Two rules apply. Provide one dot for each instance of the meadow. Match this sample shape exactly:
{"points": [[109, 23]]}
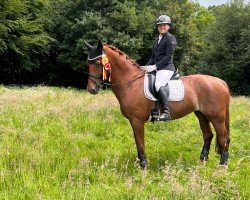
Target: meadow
{"points": [[58, 143]]}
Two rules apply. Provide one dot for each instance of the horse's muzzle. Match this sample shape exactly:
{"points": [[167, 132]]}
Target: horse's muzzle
{"points": [[93, 90]]}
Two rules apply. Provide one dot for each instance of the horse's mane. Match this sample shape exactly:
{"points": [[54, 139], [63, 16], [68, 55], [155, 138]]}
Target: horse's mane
{"points": [[123, 54]]}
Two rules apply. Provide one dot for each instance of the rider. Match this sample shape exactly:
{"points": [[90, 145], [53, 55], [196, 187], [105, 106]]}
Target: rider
{"points": [[162, 61]]}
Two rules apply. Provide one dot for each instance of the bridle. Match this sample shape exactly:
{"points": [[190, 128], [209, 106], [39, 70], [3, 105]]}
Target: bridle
{"points": [[101, 80], [95, 78]]}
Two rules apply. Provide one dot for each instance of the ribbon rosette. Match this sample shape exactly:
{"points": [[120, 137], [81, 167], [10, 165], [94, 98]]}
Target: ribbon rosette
{"points": [[105, 62]]}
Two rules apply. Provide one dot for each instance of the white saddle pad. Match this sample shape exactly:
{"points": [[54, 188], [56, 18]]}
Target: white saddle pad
{"points": [[176, 90]]}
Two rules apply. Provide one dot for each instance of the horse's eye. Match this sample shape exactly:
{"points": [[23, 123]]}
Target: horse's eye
{"points": [[98, 62]]}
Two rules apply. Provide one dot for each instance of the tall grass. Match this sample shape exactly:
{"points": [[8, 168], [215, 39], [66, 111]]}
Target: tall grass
{"points": [[60, 143]]}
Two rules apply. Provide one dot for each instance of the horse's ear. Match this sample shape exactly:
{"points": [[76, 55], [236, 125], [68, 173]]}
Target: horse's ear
{"points": [[88, 45], [100, 46]]}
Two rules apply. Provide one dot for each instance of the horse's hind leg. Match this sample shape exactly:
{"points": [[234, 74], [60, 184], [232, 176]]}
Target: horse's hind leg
{"points": [[223, 140], [207, 135]]}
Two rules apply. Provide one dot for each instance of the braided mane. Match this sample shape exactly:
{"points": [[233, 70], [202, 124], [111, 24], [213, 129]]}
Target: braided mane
{"points": [[123, 54]]}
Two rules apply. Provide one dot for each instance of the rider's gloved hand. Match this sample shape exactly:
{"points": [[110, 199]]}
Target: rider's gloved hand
{"points": [[149, 68]]}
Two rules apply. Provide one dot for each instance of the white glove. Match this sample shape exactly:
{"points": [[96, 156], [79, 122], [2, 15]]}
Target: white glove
{"points": [[149, 68]]}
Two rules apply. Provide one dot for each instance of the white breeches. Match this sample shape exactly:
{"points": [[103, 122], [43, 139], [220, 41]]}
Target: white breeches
{"points": [[162, 78]]}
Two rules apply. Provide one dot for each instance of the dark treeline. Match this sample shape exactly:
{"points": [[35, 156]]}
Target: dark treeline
{"points": [[42, 41]]}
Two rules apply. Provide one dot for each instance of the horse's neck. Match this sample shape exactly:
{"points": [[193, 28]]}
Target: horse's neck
{"points": [[122, 69]]}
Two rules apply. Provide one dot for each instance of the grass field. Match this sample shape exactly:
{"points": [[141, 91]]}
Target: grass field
{"points": [[60, 143]]}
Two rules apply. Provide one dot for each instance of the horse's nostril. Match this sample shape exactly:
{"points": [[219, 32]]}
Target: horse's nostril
{"points": [[92, 90]]}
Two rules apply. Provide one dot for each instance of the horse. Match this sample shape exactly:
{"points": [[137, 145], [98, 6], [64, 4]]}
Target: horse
{"points": [[207, 96]]}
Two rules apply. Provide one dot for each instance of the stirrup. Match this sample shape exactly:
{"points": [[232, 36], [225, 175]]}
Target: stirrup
{"points": [[154, 114], [164, 117]]}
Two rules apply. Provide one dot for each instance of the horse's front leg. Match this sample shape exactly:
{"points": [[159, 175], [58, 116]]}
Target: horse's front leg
{"points": [[138, 128]]}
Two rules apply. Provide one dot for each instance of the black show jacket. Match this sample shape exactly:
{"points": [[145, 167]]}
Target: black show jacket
{"points": [[162, 54]]}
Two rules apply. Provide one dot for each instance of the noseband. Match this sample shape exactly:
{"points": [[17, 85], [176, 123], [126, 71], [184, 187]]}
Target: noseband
{"points": [[97, 79]]}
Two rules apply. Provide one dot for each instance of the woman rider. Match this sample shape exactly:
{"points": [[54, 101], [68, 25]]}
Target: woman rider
{"points": [[161, 60]]}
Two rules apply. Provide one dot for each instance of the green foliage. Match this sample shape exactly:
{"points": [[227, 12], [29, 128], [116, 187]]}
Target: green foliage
{"points": [[42, 41], [21, 29], [23, 40], [228, 46], [128, 25], [66, 144]]}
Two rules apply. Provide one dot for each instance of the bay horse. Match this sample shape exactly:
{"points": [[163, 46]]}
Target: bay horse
{"points": [[208, 97]]}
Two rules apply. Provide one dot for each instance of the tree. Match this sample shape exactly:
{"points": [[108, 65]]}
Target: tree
{"points": [[22, 37], [228, 43], [42, 41]]}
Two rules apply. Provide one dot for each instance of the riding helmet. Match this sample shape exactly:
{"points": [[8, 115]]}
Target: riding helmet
{"points": [[163, 19]]}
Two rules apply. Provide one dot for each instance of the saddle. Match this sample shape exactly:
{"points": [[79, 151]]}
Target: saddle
{"points": [[175, 86]]}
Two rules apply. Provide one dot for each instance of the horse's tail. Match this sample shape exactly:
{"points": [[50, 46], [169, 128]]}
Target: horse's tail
{"points": [[227, 122]]}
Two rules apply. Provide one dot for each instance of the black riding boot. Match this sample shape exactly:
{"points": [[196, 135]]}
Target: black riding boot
{"points": [[163, 96]]}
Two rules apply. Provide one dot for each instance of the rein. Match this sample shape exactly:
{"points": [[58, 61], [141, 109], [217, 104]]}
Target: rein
{"points": [[93, 77]]}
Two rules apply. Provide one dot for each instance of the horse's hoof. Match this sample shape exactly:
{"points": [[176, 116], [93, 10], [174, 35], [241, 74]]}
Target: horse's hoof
{"points": [[225, 166], [224, 158], [203, 162], [143, 165], [143, 161], [144, 168]]}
